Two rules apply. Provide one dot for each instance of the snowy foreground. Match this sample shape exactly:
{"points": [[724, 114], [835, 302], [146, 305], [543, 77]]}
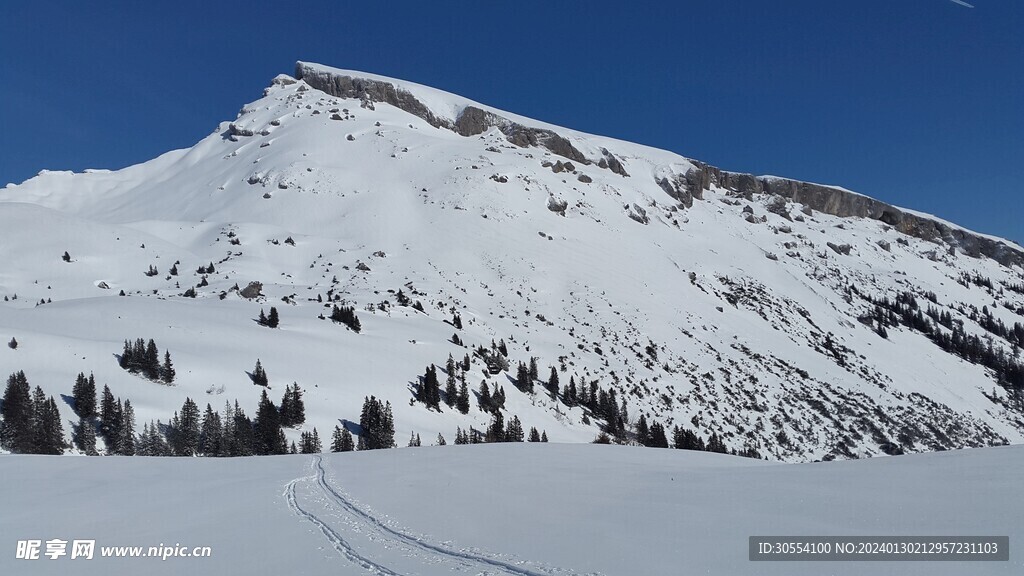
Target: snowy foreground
{"points": [[521, 509]]}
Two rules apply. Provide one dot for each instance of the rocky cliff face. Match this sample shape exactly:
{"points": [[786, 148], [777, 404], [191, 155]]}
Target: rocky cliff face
{"points": [[842, 203], [471, 121]]}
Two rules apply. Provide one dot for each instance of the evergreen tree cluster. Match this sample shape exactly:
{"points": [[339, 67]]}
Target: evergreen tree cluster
{"points": [[347, 316], [600, 404], [268, 436], [309, 443], [271, 321], [500, 431], [84, 395], [117, 424], [456, 391], [652, 436], [143, 358], [489, 402], [428, 390], [293, 410], [259, 375], [496, 359], [1007, 369], [414, 440], [377, 425], [342, 440], [184, 430], [31, 422]]}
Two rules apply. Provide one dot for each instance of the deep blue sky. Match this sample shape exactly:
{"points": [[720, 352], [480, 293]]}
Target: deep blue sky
{"points": [[916, 102]]}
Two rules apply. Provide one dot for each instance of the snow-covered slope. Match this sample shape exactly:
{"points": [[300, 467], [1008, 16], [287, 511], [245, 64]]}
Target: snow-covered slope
{"points": [[705, 299], [541, 510]]}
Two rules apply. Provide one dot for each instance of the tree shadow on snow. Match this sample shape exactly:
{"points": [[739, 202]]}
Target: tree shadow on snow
{"points": [[352, 427]]}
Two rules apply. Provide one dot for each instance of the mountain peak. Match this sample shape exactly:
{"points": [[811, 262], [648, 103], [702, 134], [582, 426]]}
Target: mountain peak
{"points": [[774, 313]]}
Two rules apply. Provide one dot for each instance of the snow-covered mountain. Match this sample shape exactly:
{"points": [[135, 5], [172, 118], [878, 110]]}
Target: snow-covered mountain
{"points": [[800, 320]]}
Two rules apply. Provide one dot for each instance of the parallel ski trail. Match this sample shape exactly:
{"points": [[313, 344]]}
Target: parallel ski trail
{"points": [[339, 543], [459, 556]]}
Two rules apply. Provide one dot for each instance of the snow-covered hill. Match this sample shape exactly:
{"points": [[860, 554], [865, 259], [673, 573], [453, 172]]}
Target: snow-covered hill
{"points": [[775, 313], [542, 510]]}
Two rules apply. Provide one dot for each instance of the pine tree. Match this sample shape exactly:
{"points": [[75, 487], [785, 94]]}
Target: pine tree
{"points": [[262, 320], [414, 440], [210, 433], [152, 361], [13, 344], [273, 321], [189, 429], [534, 435], [643, 433], [523, 381], [86, 438], [51, 432], [465, 363], [108, 418], [430, 389], [514, 431], [293, 410], [544, 436], [125, 444], [125, 360], [167, 372], [84, 394], [460, 437], [498, 398], [496, 430], [570, 392], [243, 436], [534, 372], [317, 446], [451, 392], [259, 376], [66, 257], [267, 427], [484, 399], [440, 440], [16, 432], [462, 400], [286, 409], [552, 384]]}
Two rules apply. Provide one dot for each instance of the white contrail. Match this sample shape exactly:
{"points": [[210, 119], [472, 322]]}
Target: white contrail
{"points": [[962, 3]]}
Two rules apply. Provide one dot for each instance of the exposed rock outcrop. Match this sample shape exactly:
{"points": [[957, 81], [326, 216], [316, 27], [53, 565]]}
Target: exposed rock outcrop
{"points": [[843, 203], [366, 89], [471, 121]]}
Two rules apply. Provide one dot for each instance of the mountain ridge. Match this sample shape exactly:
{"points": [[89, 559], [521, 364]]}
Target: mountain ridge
{"points": [[781, 316], [472, 120]]}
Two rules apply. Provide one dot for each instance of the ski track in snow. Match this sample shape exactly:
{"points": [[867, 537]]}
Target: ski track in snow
{"points": [[357, 518], [339, 543]]}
